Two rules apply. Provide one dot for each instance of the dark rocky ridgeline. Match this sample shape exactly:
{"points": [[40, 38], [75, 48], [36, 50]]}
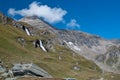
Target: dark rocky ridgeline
{"points": [[5, 20], [9, 21]]}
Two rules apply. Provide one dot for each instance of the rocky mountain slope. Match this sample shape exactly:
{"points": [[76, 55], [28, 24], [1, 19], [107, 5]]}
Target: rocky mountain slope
{"points": [[87, 45], [69, 53], [111, 58], [17, 46]]}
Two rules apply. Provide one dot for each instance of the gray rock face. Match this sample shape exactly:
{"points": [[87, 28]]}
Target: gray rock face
{"points": [[29, 68], [80, 38], [89, 46], [111, 58]]}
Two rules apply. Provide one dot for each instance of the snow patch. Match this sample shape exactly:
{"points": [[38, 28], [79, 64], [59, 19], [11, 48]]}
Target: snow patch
{"points": [[72, 46], [42, 47], [27, 31]]}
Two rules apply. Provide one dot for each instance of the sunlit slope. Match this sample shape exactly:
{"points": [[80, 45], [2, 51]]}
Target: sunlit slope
{"points": [[11, 51]]}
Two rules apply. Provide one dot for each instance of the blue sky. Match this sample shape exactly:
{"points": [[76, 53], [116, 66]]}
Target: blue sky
{"points": [[100, 17]]}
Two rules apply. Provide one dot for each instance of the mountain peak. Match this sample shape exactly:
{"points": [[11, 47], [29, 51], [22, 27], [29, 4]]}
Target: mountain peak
{"points": [[38, 23], [30, 18]]}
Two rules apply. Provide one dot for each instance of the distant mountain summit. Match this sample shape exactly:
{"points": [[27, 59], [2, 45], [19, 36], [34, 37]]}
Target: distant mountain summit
{"points": [[38, 23]]}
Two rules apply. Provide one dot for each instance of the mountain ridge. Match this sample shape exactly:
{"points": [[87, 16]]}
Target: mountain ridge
{"points": [[87, 45], [64, 47]]}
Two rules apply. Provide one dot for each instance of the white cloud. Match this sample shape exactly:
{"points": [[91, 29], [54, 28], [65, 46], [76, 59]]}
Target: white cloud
{"points": [[11, 11], [51, 15], [73, 24]]}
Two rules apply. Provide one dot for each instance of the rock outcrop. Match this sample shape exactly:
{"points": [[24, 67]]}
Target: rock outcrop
{"points": [[111, 58]]}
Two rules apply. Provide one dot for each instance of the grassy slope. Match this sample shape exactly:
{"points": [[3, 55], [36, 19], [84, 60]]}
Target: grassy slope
{"points": [[13, 52]]}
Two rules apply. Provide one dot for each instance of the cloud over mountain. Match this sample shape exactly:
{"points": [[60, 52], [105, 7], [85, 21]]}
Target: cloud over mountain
{"points": [[51, 15], [73, 24]]}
